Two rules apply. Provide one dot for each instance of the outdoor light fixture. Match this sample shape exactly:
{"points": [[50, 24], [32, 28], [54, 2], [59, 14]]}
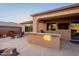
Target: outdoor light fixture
{"points": [[47, 37]]}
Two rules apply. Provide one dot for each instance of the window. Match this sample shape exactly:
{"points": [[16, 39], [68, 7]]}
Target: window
{"points": [[63, 26], [75, 26], [28, 28], [51, 26]]}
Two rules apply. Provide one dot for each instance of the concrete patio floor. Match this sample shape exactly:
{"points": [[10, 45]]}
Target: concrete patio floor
{"points": [[26, 49]]}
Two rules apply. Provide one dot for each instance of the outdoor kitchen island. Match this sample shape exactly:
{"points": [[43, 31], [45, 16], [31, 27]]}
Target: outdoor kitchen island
{"points": [[50, 40]]}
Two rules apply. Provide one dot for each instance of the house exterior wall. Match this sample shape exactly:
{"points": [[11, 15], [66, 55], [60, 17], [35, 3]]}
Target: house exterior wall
{"points": [[66, 34], [41, 26], [23, 26]]}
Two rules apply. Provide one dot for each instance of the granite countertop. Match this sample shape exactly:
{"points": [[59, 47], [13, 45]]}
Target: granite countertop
{"points": [[45, 33]]}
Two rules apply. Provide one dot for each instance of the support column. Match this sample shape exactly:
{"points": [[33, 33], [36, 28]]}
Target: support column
{"points": [[23, 27], [35, 25]]}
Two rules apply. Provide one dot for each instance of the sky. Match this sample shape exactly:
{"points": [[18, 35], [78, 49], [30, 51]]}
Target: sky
{"points": [[20, 12]]}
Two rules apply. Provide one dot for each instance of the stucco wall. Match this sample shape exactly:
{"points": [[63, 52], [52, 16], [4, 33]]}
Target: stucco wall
{"points": [[41, 26], [65, 33]]}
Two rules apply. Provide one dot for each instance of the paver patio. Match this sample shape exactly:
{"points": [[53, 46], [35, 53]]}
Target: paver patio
{"points": [[26, 49]]}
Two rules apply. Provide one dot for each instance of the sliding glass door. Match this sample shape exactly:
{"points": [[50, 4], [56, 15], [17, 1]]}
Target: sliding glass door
{"points": [[75, 31]]}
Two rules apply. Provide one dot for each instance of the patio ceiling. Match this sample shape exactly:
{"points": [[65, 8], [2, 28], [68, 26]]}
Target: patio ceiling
{"points": [[67, 16]]}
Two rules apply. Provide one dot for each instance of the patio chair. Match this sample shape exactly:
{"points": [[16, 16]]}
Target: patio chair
{"points": [[0, 35], [1, 51], [12, 34], [4, 35], [20, 34], [42, 31], [15, 53]]}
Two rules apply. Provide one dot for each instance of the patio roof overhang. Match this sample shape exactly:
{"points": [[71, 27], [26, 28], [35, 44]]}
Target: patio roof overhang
{"points": [[69, 16], [71, 11], [57, 9]]}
